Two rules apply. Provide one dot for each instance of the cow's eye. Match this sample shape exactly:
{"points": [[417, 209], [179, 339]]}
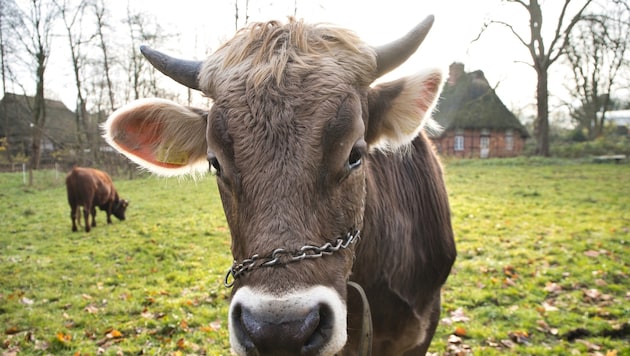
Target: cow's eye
{"points": [[355, 158], [213, 162], [356, 155]]}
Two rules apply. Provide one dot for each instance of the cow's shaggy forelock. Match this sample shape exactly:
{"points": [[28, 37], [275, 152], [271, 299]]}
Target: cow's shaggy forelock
{"points": [[262, 51]]}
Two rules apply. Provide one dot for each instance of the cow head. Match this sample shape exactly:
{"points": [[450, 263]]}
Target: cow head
{"points": [[120, 207], [289, 134]]}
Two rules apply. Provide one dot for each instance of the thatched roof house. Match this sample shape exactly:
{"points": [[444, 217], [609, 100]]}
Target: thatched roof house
{"points": [[16, 125], [475, 121]]}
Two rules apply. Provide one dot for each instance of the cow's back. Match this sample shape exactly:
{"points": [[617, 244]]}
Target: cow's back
{"points": [[86, 185]]}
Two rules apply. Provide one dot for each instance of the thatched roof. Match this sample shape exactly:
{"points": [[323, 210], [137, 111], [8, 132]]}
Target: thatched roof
{"points": [[468, 102], [16, 118]]}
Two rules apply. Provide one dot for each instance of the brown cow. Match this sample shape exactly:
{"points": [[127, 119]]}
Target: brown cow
{"points": [[89, 188], [306, 154]]}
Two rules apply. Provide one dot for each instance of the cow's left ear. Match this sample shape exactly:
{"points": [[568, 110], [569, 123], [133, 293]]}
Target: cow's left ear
{"points": [[162, 136], [398, 110]]}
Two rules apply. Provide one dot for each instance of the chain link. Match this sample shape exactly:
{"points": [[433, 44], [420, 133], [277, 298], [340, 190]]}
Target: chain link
{"points": [[281, 256]]}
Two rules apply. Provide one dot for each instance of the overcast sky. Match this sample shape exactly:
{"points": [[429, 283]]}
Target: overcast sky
{"points": [[204, 25]]}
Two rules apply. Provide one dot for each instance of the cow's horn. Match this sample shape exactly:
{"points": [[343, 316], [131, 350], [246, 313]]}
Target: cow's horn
{"points": [[393, 54], [182, 71]]}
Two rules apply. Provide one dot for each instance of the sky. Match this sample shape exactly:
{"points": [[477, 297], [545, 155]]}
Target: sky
{"points": [[204, 25]]}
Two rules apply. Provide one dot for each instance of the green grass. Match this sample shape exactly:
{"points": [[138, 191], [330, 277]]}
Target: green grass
{"points": [[543, 255], [149, 285], [535, 239]]}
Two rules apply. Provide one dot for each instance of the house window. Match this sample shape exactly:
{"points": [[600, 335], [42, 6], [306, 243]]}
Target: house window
{"points": [[484, 143], [459, 140], [509, 139]]}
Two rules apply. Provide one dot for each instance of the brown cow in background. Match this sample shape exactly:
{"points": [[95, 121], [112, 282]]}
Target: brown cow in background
{"points": [[89, 188]]}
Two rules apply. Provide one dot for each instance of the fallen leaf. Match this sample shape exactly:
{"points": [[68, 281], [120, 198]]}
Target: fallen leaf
{"points": [[456, 316], [548, 307], [592, 294], [216, 325], [41, 345], [454, 339], [507, 343], [114, 334], [29, 337], [589, 345], [591, 253], [519, 337], [13, 351], [92, 309], [11, 330], [64, 338], [553, 287], [509, 282], [510, 271], [460, 331], [146, 314]]}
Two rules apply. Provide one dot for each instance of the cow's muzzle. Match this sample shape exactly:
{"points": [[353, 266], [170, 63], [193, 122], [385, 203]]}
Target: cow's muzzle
{"points": [[311, 322], [297, 334]]}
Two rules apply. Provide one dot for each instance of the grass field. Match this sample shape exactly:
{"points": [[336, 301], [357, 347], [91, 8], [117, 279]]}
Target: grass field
{"points": [[543, 265]]}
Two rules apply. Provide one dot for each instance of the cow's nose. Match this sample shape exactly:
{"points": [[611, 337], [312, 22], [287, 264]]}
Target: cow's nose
{"points": [[285, 333]]}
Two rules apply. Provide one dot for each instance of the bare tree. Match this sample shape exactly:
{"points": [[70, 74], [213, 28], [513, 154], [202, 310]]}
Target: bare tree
{"points": [[73, 17], [543, 55], [8, 11], [235, 15], [596, 53], [236, 12], [142, 77], [34, 29], [100, 13]]}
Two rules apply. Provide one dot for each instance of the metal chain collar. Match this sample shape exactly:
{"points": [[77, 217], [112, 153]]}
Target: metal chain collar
{"points": [[281, 256]]}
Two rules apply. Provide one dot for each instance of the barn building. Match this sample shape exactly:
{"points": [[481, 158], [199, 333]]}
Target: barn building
{"points": [[475, 123], [16, 126]]}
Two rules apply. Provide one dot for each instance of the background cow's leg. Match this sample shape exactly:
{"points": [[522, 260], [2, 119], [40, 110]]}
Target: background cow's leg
{"points": [[110, 207], [74, 215], [86, 218], [93, 216]]}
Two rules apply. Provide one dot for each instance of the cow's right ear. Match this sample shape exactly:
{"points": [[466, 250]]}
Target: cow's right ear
{"points": [[162, 136]]}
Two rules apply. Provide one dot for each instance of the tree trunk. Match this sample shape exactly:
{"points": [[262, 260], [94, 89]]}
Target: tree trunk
{"points": [[39, 114], [99, 11], [541, 124]]}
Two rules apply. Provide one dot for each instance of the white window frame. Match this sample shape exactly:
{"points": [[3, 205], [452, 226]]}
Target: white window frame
{"points": [[509, 140], [458, 143]]}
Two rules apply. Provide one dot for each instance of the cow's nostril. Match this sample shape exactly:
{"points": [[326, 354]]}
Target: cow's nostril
{"points": [[322, 332], [238, 330], [283, 333]]}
